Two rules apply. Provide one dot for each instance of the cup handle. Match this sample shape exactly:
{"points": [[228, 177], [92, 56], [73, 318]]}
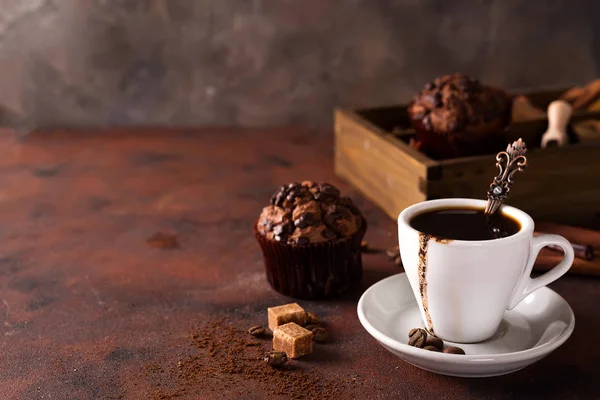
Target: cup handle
{"points": [[526, 285]]}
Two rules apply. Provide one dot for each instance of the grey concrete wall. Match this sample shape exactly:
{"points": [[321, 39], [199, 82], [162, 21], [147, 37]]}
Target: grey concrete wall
{"points": [[270, 62]]}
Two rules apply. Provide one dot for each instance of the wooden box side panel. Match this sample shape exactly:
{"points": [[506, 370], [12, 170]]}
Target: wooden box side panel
{"points": [[383, 171], [558, 184]]}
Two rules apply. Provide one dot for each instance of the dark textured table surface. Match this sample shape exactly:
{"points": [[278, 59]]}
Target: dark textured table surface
{"points": [[87, 304]]}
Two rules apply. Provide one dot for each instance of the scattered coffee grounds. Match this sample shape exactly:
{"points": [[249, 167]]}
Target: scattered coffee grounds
{"points": [[256, 331], [454, 350], [276, 358], [293, 339], [165, 241], [283, 314], [312, 319], [319, 334], [419, 337], [226, 359], [393, 254]]}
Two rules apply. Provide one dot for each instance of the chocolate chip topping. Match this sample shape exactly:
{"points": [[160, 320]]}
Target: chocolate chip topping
{"points": [[460, 103], [308, 212], [305, 220]]}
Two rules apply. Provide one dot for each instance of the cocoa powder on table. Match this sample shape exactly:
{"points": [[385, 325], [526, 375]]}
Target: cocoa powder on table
{"points": [[225, 355]]}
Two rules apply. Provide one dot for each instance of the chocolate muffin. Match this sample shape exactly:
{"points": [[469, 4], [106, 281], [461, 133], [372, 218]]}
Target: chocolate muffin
{"points": [[456, 116], [310, 237]]}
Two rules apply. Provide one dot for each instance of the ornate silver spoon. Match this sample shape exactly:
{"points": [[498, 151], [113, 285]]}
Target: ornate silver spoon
{"points": [[509, 162]]}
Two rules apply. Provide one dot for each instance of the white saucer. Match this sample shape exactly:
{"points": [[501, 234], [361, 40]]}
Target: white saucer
{"points": [[539, 324]]}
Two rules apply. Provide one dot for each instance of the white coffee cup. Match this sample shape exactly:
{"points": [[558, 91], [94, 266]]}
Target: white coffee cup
{"points": [[470, 284]]}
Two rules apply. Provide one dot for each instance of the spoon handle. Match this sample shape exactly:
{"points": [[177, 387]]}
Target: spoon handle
{"points": [[509, 162]]}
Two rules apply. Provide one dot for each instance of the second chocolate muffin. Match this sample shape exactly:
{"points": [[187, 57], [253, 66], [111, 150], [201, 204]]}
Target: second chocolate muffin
{"points": [[456, 115], [310, 237]]}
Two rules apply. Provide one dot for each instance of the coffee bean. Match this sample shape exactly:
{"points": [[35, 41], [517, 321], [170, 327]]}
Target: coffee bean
{"points": [[276, 358], [320, 334], [417, 337], [431, 348], [453, 350], [312, 319], [435, 342], [256, 330]]}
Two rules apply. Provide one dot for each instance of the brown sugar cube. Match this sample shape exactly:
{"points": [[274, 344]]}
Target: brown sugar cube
{"points": [[292, 339], [286, 313]]}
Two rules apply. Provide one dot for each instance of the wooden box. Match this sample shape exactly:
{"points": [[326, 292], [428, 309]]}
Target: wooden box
{"points": [[559, 184]]}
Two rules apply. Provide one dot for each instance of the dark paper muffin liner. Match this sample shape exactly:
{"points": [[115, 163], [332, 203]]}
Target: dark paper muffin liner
{"points": [[441, 146], [316, 270]]}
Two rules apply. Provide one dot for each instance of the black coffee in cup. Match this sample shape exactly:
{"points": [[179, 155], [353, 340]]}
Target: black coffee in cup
{"points": [[463, 223]]}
